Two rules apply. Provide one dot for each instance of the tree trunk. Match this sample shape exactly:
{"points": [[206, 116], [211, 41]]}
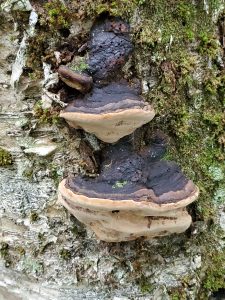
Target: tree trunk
{"points": [[179, 59]]}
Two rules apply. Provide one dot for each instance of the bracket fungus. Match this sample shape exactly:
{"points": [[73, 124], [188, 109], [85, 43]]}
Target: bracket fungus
{"points": [[109, 112], [112, 109], [78, 81], [135, 195], [109, 47]]}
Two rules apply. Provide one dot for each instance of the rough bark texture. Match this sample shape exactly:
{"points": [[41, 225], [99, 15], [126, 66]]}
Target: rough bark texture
{"points": [[45, 252]]}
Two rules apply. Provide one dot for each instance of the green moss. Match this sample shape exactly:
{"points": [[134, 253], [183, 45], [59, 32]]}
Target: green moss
{"points": [[214, 83], [215, 274], [58, 15], [5, 158], [36, 51], [54, 19], [124, 8], [20, 250], [28, 173], [4, 253], [177, 294], [65, 254], [41, 237], [4, 250], [209, 45], [75, 230], [34, 217], [55, 173], [144, 285], [193, 119], [46, 116]]}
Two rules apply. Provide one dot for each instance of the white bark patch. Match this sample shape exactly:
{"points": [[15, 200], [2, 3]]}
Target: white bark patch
{"points": [[17, 68]]}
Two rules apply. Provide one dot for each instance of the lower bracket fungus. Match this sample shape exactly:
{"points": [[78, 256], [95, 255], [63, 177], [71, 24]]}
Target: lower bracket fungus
{"points": [[135, 195], [110, 112]]}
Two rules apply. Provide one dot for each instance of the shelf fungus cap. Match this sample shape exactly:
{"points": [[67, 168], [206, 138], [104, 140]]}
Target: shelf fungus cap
{"points": [[153, 205], [80, 82], [110, 112], [109, 48]]}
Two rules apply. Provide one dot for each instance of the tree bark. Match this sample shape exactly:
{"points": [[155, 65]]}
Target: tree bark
{"points": [[179, 59]]}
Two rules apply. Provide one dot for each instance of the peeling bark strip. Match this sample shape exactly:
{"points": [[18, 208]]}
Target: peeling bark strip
{"points": [[45, 253]]}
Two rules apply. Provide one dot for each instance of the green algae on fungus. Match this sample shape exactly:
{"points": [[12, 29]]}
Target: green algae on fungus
{"points": [[79, 64], [119, 184], [5, 158]]}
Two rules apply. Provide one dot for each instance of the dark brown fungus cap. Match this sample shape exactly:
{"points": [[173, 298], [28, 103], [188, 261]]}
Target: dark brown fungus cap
{"points": [[80, 82], [126, 175], [131, 189], [110, 112], [109, 48]]}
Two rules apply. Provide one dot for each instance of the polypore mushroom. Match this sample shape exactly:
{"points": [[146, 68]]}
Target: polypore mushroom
{"points": [[109, 48], [78, 81], [110, 112], [135, 195]]}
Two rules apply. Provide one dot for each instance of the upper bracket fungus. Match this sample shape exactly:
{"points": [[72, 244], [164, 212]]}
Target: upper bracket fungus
{"points": [[110, 112], [135, 195]]}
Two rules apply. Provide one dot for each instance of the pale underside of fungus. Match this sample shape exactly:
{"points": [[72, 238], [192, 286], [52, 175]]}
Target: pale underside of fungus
{"points": [[135, 195], [125, 220]]}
